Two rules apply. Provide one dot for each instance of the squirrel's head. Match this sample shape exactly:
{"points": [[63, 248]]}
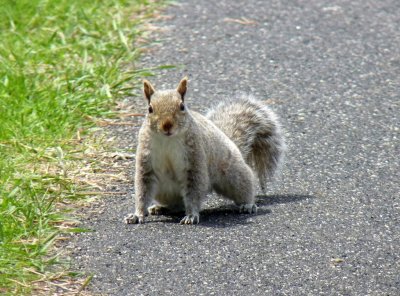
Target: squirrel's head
{"points": [[166, 109]]}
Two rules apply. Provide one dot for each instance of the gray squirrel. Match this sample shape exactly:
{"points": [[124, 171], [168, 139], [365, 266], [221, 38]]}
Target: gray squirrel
{"points": [[182, 155]]}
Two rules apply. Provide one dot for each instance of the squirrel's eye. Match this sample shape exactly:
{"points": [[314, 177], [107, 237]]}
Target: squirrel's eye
{"points": [[182, 106], [150, 109]]}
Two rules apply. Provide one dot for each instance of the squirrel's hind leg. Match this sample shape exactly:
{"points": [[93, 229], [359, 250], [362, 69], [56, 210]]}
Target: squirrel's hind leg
{"points": [[157, 210], [239, 185], [248, 208]]}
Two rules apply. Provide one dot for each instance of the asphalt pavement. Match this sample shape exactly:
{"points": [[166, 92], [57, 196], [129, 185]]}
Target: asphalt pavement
{"points": [[330, 223]]}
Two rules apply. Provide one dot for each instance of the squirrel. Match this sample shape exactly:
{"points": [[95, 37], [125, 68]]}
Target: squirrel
{"points": [[182, 155]]}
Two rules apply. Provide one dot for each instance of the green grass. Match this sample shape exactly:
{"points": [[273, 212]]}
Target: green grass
{"points": [[61, 62]]}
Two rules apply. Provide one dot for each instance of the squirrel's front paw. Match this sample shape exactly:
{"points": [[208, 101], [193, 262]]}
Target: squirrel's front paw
{"points": [[190, 219], [134, 219], [248, 208]]}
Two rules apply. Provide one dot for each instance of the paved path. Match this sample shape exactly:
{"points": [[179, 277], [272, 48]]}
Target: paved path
{"points": [[330, 224]]}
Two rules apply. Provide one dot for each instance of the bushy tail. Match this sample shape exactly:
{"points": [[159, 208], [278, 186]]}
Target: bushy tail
{"points": [[255, 129]]}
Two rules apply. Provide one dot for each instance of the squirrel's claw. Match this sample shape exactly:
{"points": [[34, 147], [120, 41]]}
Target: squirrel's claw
{"points": [[133, 219], [190, 219]]}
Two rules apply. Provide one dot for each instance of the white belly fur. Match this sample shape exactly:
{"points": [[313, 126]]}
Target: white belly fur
{"points": [[168, 159]]}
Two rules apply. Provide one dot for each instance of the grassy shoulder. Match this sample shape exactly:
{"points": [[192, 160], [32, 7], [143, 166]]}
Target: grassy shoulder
{"points": [[61, 66]]}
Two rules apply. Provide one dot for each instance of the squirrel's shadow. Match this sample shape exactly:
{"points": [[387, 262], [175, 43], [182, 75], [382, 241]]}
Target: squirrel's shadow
{"points": [[228, 215], [269, 200]]}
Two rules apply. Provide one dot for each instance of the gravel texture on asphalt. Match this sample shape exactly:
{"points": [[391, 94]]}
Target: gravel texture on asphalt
{"points": [[329, 225]]}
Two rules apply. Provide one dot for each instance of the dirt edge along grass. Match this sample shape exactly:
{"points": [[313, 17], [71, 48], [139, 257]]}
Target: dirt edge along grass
{"points": [[62, 65]]}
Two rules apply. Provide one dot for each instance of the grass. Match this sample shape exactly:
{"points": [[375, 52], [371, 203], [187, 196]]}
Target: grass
{"points": [[61, 65]]}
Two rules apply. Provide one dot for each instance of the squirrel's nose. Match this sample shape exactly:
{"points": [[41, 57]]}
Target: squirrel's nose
{"points": [[167, 126]]}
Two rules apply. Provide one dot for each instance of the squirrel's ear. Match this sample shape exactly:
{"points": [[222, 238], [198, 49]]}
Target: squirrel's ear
{"points": [[148, 90], [182, 87]]}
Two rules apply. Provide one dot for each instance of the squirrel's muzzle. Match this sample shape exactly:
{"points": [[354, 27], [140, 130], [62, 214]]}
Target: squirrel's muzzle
{"points": [[167, 127]]}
